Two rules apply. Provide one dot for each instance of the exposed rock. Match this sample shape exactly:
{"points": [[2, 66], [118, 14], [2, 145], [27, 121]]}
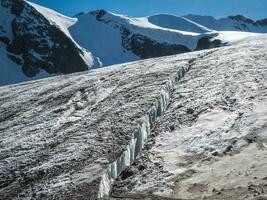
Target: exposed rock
{"points": [[34, 44], [54, 55], [208, 43], [147, 48], [241, 18], [262, 22], [39, 42]]}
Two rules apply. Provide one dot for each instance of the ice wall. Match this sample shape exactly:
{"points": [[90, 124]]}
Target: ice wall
{"points": [[139, 138]]}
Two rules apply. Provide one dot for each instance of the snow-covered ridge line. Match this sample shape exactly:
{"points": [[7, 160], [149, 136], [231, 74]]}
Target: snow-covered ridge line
{"points": [[163, 35], [139, 138], [63, 23], [97, 38]]}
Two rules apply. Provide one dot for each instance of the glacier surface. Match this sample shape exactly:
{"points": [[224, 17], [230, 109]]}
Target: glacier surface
{"points": [[149, 126]]}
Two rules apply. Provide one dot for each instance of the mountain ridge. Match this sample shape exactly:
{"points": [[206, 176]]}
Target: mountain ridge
{"points": [[42, 42]]}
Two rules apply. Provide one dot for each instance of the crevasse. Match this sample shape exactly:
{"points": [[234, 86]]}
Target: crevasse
{"points": [[139, 138]]}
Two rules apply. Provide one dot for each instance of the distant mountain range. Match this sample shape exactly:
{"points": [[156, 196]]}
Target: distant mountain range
{"points": [[38, 42]]}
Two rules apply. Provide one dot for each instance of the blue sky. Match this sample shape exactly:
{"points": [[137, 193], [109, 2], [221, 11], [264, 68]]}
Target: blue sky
{"points": [[255, 9]]}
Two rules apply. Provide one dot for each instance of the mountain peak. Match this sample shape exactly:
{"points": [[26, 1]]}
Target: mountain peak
{"points": [[98, 13], [241, 18], [262, 22], [35, 39], [78, 14]]}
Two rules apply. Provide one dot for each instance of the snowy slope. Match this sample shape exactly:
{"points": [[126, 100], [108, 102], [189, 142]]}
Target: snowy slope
{"points": [[110, 28], [63, 23], [11, 73], [84, 29], [232, 37], [177, 23], [70, 136], [118, 38], [102, 40], [54, 44], [232, 23], [40, 48], [122, 38]]}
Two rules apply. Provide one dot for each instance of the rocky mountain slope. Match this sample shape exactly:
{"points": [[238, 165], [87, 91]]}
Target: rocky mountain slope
{"points": [[186, 126], [38, 42], [31, 45]]}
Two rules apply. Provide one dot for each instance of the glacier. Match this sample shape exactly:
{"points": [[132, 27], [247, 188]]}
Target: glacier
{"points": [[139, 138], [211, 141], [133, 128]]}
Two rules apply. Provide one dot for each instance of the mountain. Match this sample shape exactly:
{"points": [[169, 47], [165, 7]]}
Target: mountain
{"points": [[32, 45], [231, 23], [185, 126], [131, 38], [38, 42]]}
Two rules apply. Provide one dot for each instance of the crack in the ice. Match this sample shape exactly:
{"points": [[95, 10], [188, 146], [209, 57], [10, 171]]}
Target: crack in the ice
{"points": [[138, 140]]}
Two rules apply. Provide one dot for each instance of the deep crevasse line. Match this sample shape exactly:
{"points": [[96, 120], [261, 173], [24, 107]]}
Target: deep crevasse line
{"points": [[138, 139]]}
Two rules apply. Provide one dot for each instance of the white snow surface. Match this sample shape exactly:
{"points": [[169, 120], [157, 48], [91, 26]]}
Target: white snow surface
{"points": [[108, 44], [101, 39], [62, 21], [161, 28], [177, 23], [160, 34], [231, 37], [5, 22], [225, 24]]}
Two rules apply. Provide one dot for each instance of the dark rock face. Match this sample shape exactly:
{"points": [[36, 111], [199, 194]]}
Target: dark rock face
{"points": [[262, 22], [5, 40], [145, 47], [141, 45], [206, 43], [241, 18], [99, 14], [148, 48], [40, 44]]}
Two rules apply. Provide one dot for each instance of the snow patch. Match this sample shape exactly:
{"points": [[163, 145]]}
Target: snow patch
{"points": [[177, 23], [232, 37], [5, 22]]}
